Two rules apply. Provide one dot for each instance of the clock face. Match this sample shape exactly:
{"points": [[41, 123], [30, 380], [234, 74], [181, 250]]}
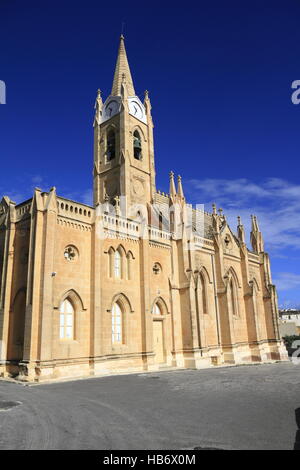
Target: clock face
{"points": [[138, 188], [136, 110], [111, 108]]}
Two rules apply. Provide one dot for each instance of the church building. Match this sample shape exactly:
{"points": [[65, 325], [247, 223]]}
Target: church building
{"points": [[140, 280]]}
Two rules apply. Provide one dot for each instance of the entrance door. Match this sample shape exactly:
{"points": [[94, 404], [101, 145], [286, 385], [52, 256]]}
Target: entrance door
{"points": [[158, 342]]}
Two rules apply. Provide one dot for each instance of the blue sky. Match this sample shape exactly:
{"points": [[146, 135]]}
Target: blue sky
{"points": [[219, 75]]}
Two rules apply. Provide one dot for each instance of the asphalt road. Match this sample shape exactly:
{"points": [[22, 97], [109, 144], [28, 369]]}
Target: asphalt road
{"points": [[246, 407]]}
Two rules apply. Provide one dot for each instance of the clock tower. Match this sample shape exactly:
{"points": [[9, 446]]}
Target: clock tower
{"points": [[123, 143]]}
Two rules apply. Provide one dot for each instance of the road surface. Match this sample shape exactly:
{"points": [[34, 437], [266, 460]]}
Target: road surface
{"points": [[245, 407]]}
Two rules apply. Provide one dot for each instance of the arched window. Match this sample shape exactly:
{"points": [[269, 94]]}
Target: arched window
{"points": [[172, 219], [137, 146], [160, 220], [232, 298], [117, 266], [129, 265], [116, 330], [66, 323], [203, 294], [156, 309], [255, 299], [111, 145], [111, 262]]}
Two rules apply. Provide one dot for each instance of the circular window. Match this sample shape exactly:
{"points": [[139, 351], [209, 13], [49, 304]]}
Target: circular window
{"points": [[156, 268], [227, 242], [71, 253]]}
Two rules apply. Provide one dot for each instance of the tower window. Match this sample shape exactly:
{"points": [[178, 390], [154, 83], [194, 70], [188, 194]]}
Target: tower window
{"points": [[111, 145], [137, 146], [160, 220]]}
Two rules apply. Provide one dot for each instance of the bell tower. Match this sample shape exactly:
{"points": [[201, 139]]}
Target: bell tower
{"points": [[123, 142]]}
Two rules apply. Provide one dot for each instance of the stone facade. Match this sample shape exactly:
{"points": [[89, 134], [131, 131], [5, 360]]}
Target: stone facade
{"points": [[136, 282]]}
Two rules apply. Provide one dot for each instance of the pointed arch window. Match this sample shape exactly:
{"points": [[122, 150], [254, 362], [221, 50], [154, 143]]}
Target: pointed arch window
{"points": [[160, 220], [256, 310], [232, 298], [255, 299], [156, 309], [203, 294], [137, 146], [111, 145], [117, 265], [129, 258], [117, 324], [66, 325], [111, 261]]}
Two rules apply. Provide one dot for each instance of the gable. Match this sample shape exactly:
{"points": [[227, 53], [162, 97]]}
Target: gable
{"points": [[229, 241]]}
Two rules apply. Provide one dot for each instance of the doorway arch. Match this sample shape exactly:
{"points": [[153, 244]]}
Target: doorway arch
{"points": [[159, 346]]}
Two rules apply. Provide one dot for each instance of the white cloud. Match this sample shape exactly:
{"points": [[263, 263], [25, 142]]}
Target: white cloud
{"points": [[37, 179], [27, 190], [271, 188], [87, 197], [33, 181], [276, 203], [287, 281]]}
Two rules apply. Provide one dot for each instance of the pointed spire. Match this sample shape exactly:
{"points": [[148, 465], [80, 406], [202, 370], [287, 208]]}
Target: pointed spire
{"points": [[147, 102], [99, 99], [122, 69], [256, 236], [215, 219], [98, 107], [240, 230], [180, 188], [254, 224], [172, 185]]}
